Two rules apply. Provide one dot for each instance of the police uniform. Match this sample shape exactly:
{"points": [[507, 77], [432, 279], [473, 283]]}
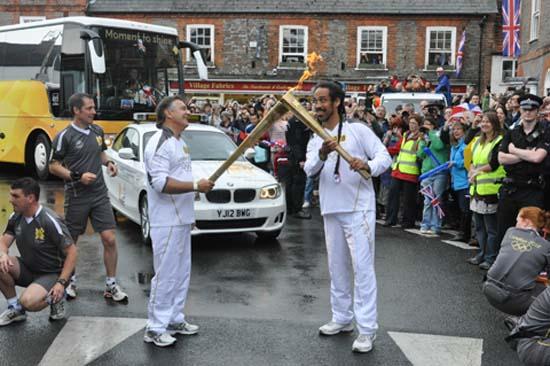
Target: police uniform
{"points": [[511, 285], [79, 150], [524, 183], [347, 204], [171, 217]]}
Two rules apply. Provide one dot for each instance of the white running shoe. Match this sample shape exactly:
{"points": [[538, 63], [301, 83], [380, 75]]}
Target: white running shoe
{"points": [[70, 291], [332, 328], [115, 293], [424, 230], [182, 328], [57, 310], [363, 343], [12, 315], [159, 339], [306, 204]]}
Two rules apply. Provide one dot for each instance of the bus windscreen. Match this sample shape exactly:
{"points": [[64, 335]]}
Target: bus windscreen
{"points": [[141, 67]]}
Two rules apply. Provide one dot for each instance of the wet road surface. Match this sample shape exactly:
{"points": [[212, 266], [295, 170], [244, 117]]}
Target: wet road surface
{"points": [[262, 302]]}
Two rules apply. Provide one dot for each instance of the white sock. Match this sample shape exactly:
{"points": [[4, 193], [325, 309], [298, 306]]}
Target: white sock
{"points": [[110, 281], [14, 302]]}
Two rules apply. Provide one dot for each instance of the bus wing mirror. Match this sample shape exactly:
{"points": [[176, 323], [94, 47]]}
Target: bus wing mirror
{"points": [[95, 50], [199, 58]]}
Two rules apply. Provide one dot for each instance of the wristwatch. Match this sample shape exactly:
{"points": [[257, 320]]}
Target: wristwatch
{"points": [[62, 281], [75, 175]]}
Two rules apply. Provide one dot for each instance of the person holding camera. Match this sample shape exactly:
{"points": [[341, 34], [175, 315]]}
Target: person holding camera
{"points": [[430, 139]]}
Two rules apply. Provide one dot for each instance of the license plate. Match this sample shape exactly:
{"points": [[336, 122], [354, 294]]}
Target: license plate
{"points": [[234, 213]]}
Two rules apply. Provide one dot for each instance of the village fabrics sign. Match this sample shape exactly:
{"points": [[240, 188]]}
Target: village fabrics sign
{"points": [[271, 87]]}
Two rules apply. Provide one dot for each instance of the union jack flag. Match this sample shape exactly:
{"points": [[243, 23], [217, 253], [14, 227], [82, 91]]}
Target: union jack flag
{"points": [[434, 200], [460, 53], [511, 10]]}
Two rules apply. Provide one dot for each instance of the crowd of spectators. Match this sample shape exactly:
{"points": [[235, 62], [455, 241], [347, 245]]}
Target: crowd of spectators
{"points": [[474, 165]]}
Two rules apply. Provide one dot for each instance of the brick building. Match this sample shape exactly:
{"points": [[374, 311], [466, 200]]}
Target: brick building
{"points": [[534, 62], [260, 46], [19, 11]]}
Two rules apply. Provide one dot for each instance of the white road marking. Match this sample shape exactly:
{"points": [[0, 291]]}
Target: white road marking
{"points": [[83, 339], [437, 350], [459, 244], [418, 232]]}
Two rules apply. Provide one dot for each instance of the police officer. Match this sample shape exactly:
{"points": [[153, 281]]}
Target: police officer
{"points": [[77, 156], [522, 153], [47, 256], [171, 193]]}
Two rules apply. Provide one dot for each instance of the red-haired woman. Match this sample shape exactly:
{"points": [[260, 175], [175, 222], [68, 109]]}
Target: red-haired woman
{"points": [[511, 285]]}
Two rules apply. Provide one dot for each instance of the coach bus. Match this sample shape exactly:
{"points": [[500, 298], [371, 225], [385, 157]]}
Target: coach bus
{"points": [[127, 67]]}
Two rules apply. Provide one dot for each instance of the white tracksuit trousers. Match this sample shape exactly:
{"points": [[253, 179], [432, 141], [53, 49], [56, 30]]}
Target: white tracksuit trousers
{"points": [[172, 263], [350, 245]]}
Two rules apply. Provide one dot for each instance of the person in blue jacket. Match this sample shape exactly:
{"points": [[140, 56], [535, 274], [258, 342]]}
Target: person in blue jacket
{"points": [[443, 84], [459, 180]]}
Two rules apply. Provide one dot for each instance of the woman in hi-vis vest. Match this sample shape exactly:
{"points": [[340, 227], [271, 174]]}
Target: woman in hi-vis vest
{"points": [[405, 172], [485, 177]]}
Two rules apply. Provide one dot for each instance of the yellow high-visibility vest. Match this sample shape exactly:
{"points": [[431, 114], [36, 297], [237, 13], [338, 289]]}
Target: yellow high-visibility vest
{"points": [[486, 183], [406, 159]]}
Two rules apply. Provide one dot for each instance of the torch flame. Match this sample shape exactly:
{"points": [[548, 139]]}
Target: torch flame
{"points": [[312, 62]]}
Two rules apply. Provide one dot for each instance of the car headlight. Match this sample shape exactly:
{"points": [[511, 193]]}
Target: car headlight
{"points": [[270, 192]]}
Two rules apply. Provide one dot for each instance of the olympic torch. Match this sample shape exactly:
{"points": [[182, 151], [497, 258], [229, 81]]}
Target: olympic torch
{"points": [[303, 115]]}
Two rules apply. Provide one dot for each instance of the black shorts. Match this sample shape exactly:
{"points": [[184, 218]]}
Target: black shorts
{"points": [[78, 210], [28, 277]]}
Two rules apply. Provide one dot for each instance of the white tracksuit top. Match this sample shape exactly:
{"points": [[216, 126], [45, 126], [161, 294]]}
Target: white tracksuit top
{"points": [[166, 156], [353, 192]]}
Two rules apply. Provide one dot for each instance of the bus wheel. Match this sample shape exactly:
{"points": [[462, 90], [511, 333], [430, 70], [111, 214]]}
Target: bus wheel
{"points": [[39, 156]]}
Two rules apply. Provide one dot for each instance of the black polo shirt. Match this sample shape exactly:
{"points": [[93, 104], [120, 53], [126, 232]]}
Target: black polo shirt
{"points": [[80, 151], [539, 138]]}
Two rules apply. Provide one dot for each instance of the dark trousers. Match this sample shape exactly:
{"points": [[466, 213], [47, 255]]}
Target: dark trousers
{"points": [[511, 200], [293, 179], [461, 196], [410, 191]]}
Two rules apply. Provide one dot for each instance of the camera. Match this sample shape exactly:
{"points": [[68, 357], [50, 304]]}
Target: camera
{"points": [[423, 129]]}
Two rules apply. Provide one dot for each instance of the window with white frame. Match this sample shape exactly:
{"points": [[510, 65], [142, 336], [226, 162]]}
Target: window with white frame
{"points": [[535, 19], [202, 35], [292, 44], [509, 68], [440, 46], [29, 19], [371, 46]]}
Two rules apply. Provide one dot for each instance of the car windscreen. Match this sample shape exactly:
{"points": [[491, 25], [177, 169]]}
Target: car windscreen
{"points": [[204, 145]]}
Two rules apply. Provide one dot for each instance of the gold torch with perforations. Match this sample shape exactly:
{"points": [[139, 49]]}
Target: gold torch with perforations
{"points": [[287, 103]]}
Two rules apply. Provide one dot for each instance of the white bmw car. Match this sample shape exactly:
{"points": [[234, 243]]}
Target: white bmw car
{"points": [[245, 198]]}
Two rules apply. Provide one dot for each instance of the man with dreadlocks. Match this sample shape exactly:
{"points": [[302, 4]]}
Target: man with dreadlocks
{"points": [[348, 207]]}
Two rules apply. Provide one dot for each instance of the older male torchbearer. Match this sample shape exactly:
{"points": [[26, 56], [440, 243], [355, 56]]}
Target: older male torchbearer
{"points": [[348, 207]]}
